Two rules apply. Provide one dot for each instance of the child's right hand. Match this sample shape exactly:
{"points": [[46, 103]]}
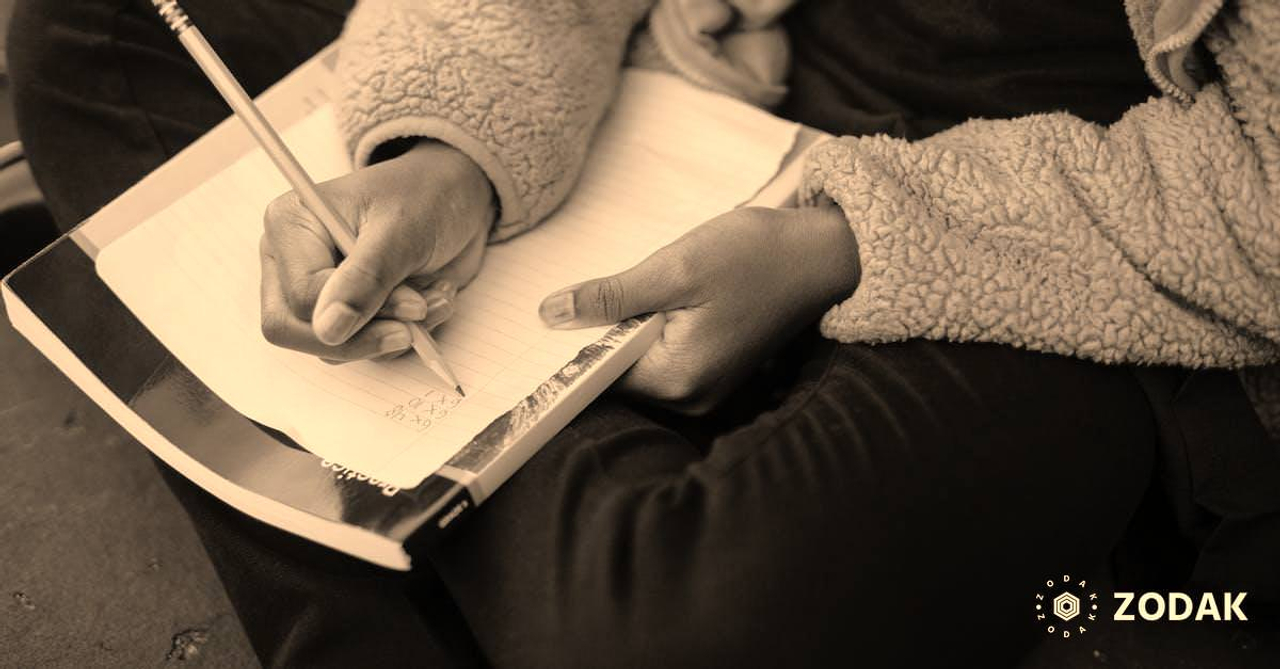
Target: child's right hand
{"points": [[421, 218]]}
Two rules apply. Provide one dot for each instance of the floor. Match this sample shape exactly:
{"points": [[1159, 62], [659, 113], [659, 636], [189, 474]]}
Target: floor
{"points": [[99, 567]]}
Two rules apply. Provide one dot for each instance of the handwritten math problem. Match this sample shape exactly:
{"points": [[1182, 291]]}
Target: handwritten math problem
{"points": [[422, 411]]}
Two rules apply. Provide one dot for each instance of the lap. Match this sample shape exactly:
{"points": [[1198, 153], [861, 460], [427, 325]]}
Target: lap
{"points": [[890, 481], [107, 76]]}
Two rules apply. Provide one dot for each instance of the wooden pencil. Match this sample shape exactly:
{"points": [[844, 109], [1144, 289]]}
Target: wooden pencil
{"points": [[240, 102]]}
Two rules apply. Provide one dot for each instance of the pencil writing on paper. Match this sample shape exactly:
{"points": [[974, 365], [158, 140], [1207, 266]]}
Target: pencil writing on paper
{"points": [[225, 82], [667, 158]]}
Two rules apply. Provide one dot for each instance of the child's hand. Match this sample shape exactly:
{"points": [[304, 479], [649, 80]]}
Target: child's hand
{"points": [[422, 216], [732, 289]]}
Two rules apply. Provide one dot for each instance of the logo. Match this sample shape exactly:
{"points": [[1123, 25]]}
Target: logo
{"points": [[1066, 606], [1180, 606]]}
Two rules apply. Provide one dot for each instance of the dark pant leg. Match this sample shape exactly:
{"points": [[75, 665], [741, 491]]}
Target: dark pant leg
{"points": [[901, 508], [105, 94]]}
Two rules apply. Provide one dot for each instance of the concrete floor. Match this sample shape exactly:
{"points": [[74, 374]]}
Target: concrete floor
{"points": [[99, 566]]}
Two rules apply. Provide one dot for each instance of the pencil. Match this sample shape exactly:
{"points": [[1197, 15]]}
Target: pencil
{"points": [[213, 67]]}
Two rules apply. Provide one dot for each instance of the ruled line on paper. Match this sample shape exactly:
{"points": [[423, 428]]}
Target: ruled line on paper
{"points": [[668, 157]]}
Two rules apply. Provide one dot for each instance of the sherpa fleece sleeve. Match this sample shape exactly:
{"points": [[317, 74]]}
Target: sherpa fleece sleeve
{"points": [[517, 85], [1156, 240]]}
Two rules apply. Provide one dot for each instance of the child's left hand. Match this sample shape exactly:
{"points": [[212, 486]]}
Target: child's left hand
{"points": [[733, 289]]}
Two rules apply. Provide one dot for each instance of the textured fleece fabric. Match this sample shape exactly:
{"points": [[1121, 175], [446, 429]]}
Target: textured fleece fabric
{"points": [[1154, 240], [518, 85]]}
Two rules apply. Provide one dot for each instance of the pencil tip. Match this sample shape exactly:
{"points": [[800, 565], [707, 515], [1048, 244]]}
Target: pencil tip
{"points": [[459, 389]]}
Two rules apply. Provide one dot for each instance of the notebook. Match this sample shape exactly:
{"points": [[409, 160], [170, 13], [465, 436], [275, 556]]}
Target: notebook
{"points": [[668, 157], [370, 457]]}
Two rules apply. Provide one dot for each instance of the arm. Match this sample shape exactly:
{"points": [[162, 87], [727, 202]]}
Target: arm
{"points": [[1155, 240], [512, 91], [518, 86]]}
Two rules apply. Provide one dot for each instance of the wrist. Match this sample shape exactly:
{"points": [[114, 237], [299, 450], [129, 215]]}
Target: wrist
{"points": [[831, 252]]}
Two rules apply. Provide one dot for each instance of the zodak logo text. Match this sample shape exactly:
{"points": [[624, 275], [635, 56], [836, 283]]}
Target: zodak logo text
{"points": [[1179, 606]]}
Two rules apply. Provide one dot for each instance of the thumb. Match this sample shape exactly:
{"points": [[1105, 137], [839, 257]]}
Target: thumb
{"points": [[653, 285], [358, 288]]}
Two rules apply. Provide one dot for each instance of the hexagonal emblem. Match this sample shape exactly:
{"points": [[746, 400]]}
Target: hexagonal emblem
{"points": [[1066, 606], [1079, 610]]}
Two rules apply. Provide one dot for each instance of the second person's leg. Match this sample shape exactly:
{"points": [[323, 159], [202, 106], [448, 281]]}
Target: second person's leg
{"points": [[104, 93]]}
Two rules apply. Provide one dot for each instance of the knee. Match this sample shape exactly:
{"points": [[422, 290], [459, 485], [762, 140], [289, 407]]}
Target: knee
{"points": [[52, 43], [38, 29]]}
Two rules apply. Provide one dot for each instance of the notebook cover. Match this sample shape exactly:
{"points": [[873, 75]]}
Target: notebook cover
{"points": [[62, 290]]}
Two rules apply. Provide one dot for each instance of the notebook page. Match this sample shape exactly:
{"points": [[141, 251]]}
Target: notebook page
{"points": [[667, 157]]}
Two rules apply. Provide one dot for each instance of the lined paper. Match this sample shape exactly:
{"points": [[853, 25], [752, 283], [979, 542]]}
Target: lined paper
{"points": [[668, 157]]}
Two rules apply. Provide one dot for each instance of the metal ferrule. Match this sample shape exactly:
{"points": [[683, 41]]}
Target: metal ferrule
{"points": [[172, 15]]}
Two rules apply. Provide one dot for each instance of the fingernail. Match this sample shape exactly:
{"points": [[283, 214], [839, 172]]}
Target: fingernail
{"points": [[445, 287], [437, 303], [335, 323], [395, 342], [411, 310], [439, 312], [558, 308]]}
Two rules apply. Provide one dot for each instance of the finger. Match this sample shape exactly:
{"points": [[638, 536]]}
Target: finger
{"points": [[378, 358], [671, 373], [706, 16], [440, 294], [658, 283], [281, 328], [377, 339], [384, 255], [440, 299], [659, 380], [404, 304], [651, 378], [685, 370], [303, 250], [429, 306]]}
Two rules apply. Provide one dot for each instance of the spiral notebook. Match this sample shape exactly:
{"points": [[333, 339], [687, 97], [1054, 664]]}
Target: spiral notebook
{"points": [[667, 157]]}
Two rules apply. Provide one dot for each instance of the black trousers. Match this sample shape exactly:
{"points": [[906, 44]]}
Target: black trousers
{"points": [[889, 505]]}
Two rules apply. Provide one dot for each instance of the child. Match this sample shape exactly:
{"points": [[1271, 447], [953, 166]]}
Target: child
{"points": [[918, 490]]}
